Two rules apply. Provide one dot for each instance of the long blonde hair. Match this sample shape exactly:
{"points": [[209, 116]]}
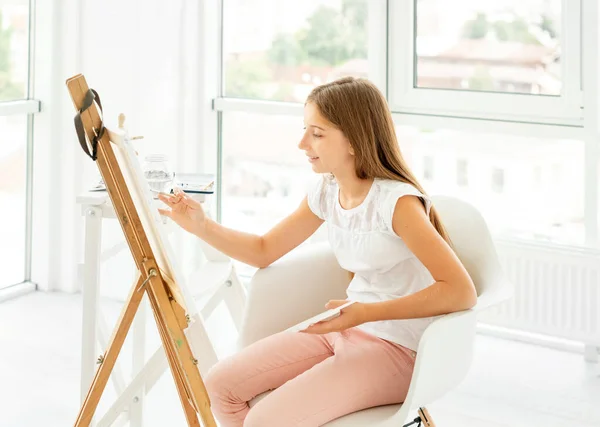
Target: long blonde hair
{"points": [[357, 108]]}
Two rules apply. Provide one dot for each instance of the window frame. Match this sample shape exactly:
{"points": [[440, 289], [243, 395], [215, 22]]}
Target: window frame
{"points": [[376, 49], [25, 107], [404, 97]]}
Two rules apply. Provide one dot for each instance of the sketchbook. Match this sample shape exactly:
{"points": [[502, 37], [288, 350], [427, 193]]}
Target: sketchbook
{"points": [[321, 317]]}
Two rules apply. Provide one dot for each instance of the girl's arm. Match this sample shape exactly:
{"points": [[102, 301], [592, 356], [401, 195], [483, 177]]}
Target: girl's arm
{"points": [[453, 289], [261, 251]]}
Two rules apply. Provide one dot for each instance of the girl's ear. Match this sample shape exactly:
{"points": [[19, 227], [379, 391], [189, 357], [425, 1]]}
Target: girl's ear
{"points": [[351, 150]]}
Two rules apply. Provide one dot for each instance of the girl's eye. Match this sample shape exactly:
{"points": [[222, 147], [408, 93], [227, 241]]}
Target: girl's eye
{"points": [[317, 136]]}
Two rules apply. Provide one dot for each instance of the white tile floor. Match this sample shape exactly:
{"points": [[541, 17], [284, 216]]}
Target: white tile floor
{"points": [[511, 384]]}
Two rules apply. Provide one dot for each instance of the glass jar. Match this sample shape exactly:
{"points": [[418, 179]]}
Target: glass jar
{"points": [[157, 172]]}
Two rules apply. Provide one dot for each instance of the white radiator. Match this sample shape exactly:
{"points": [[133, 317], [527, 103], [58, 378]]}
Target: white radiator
{"points": [[556, 291]]}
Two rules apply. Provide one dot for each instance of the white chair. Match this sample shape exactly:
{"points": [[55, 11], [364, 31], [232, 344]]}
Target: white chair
{"points": [[297, 287]]}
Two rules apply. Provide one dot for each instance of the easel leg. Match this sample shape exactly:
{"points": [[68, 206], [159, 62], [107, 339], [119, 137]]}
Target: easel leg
{"points": [[117, 373], [161, 304], [109, 358], [145, 379], [190, 413]]}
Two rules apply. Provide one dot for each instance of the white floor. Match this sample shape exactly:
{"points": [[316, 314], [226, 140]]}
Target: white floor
{"points": [[511, 384]]}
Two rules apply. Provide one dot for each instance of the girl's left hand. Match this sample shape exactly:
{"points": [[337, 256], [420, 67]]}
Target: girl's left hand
{"points": [[351, 316]]}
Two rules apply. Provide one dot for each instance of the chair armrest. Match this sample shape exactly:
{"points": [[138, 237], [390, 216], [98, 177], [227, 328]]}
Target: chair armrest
{"points": [[446, 349], [444, 357], [499, 292], [291, 290]]}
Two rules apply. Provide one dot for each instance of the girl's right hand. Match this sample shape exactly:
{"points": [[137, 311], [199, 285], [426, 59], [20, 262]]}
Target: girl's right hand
{"points": [[185, 211]]}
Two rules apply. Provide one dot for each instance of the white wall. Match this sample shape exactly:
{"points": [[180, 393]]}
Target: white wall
{"points": [[146, 60]]}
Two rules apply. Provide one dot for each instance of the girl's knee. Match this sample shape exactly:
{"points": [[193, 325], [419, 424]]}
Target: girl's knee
{"points": [[217, 380], [266, 416], [272, 411]]}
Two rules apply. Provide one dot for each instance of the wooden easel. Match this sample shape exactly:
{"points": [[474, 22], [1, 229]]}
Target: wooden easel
{"points": [[155, 280]]}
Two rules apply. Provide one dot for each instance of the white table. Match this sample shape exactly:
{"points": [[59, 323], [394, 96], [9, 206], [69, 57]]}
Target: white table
{"points": [[217, 282]]}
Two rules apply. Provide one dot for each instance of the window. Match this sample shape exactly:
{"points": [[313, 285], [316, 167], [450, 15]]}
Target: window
{"points": [[515, 60], [497, 46], [265, 175], [14, 54], [501, 184], [462, 173], [14, 149], [280, 50], [507, 63], [13, 134]]}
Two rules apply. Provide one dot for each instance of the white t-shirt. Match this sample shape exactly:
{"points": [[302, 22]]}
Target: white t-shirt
{"points": [[365, 243]]}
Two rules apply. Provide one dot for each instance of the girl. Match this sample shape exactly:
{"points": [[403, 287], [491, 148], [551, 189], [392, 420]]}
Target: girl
{"points": [[383, 229]]}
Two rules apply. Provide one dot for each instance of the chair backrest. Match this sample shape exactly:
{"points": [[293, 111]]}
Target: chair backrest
{"points": [[446, 348], [471, 240]]}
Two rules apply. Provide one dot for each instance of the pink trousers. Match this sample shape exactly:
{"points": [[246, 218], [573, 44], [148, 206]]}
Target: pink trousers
{"points": [[316, 379]]}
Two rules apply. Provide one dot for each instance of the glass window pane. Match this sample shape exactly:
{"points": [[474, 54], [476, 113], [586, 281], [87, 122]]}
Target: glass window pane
{"points": [[280, 50], [14, 49], [13, 158], [494, 46], [525, 187], [265, 174]]}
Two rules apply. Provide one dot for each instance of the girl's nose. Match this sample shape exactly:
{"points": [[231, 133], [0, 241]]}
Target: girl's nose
{"points": [[302, 144]]}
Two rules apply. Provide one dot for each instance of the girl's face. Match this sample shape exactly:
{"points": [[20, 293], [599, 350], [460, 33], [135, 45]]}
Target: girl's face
{"points": [[327, 148]]}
